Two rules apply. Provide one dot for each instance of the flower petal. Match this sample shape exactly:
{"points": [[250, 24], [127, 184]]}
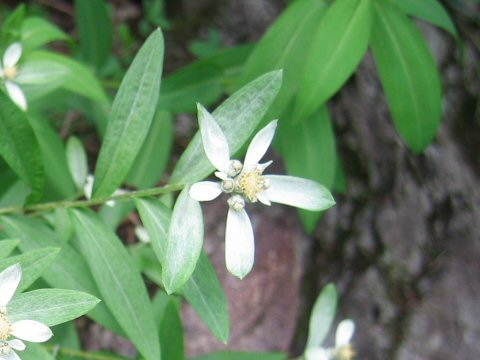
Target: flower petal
{"points": [[298, 192], [239, 243], [205, 190], [214, 141], [259, 145], [30, 330], [344, 332], [12, 55], [16, 94], [17, 344], [9, 280], [316, 353], [88, 187], [11, 356]]}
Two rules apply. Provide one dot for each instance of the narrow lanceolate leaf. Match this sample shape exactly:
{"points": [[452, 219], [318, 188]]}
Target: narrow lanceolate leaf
{"points": [[184, 242], [77, 161], [7, 246], [95, 30], [19, 147], [171, 332], [205, 293], [428, 10], [322, 316], [121, 286], [37, 32], [309, 151], [238, 117], [50, 306], [339, 45], [409, 76], [131, 115]]}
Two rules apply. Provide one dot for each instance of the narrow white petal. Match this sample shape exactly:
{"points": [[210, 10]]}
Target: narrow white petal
{"points": [[316, 353], [259, 145], [344, 332], [205, 190], [214, 141], [239, 243], [16, 94], [88, 187], [11, 356], [30, 330], [12, 55], [17, 344], [9, 280], [110, 203], [298, 192], [262, 198]]}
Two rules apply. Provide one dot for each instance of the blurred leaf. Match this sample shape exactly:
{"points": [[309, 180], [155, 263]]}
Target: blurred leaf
{"points": [[37, 32], [238, 116], [309, 152], [95, 30], [77, 161], [130, 118], [234, 355], [15, 194], [206, 48], [286, 46], [19, 147], [171, 332], [428, 10], [9, 31], [409, 76], [50, 306], [152, 159], [120, 283], [184, 242], [339, 45], [36, 352], [322, 316], [7, 246], [113, 216]]}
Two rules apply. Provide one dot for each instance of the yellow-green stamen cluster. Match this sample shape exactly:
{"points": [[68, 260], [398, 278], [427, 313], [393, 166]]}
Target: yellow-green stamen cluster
{"points": [[5, 325]]}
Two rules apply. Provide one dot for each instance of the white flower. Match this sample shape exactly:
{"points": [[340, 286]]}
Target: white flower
{"points": [[343, 349], [28, 330], [142, 234], [246, 183], [8, 73], [88, 190]]}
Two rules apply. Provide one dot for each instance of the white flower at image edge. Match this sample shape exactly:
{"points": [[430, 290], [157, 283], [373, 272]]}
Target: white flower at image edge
{"points": [[28, 330], [246, 183], [8, 73], [343, 349]]}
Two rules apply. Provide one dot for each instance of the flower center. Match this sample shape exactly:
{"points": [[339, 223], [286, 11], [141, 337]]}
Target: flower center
{"points": [[251, 183], [11, 72], [346, 352], [5, 324], [5, 348]]}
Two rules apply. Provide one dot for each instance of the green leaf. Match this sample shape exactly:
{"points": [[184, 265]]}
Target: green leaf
{"points": [[184, 242], [95, 30], [428, 10], [409, 76], [50, 306], [36, 352], [309, 152], [238, 116], [153, 157], [37, 32], [119, 281], [286, 46], [322, 316], [234, 355], [340, 42], [77, 161], [131, 115], [171, 332], [7, 246], [9, 31], [205, 293], [69, 271], [19, 147]]}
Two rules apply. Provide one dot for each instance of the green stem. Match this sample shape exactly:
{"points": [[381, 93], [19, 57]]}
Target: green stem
{"points": [[86, 203], [79, 353]]}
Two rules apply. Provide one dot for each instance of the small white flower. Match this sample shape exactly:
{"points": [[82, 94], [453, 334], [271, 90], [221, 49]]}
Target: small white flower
{"points": [[343, 349], [8, 73], [247, 183], [88, 190], [28, 330]]}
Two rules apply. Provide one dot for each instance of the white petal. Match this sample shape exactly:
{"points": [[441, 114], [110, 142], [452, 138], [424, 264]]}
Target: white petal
{"points": [[214, 141], [205, 190], [110, 203], [344, 332], [88, 187], [11, 356], [17, 344], [262, 198], [298, 192], [239, 243], [9, 280], [316, 353], [12, 55], [16, 94], [259, 145], [30, 330]]}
